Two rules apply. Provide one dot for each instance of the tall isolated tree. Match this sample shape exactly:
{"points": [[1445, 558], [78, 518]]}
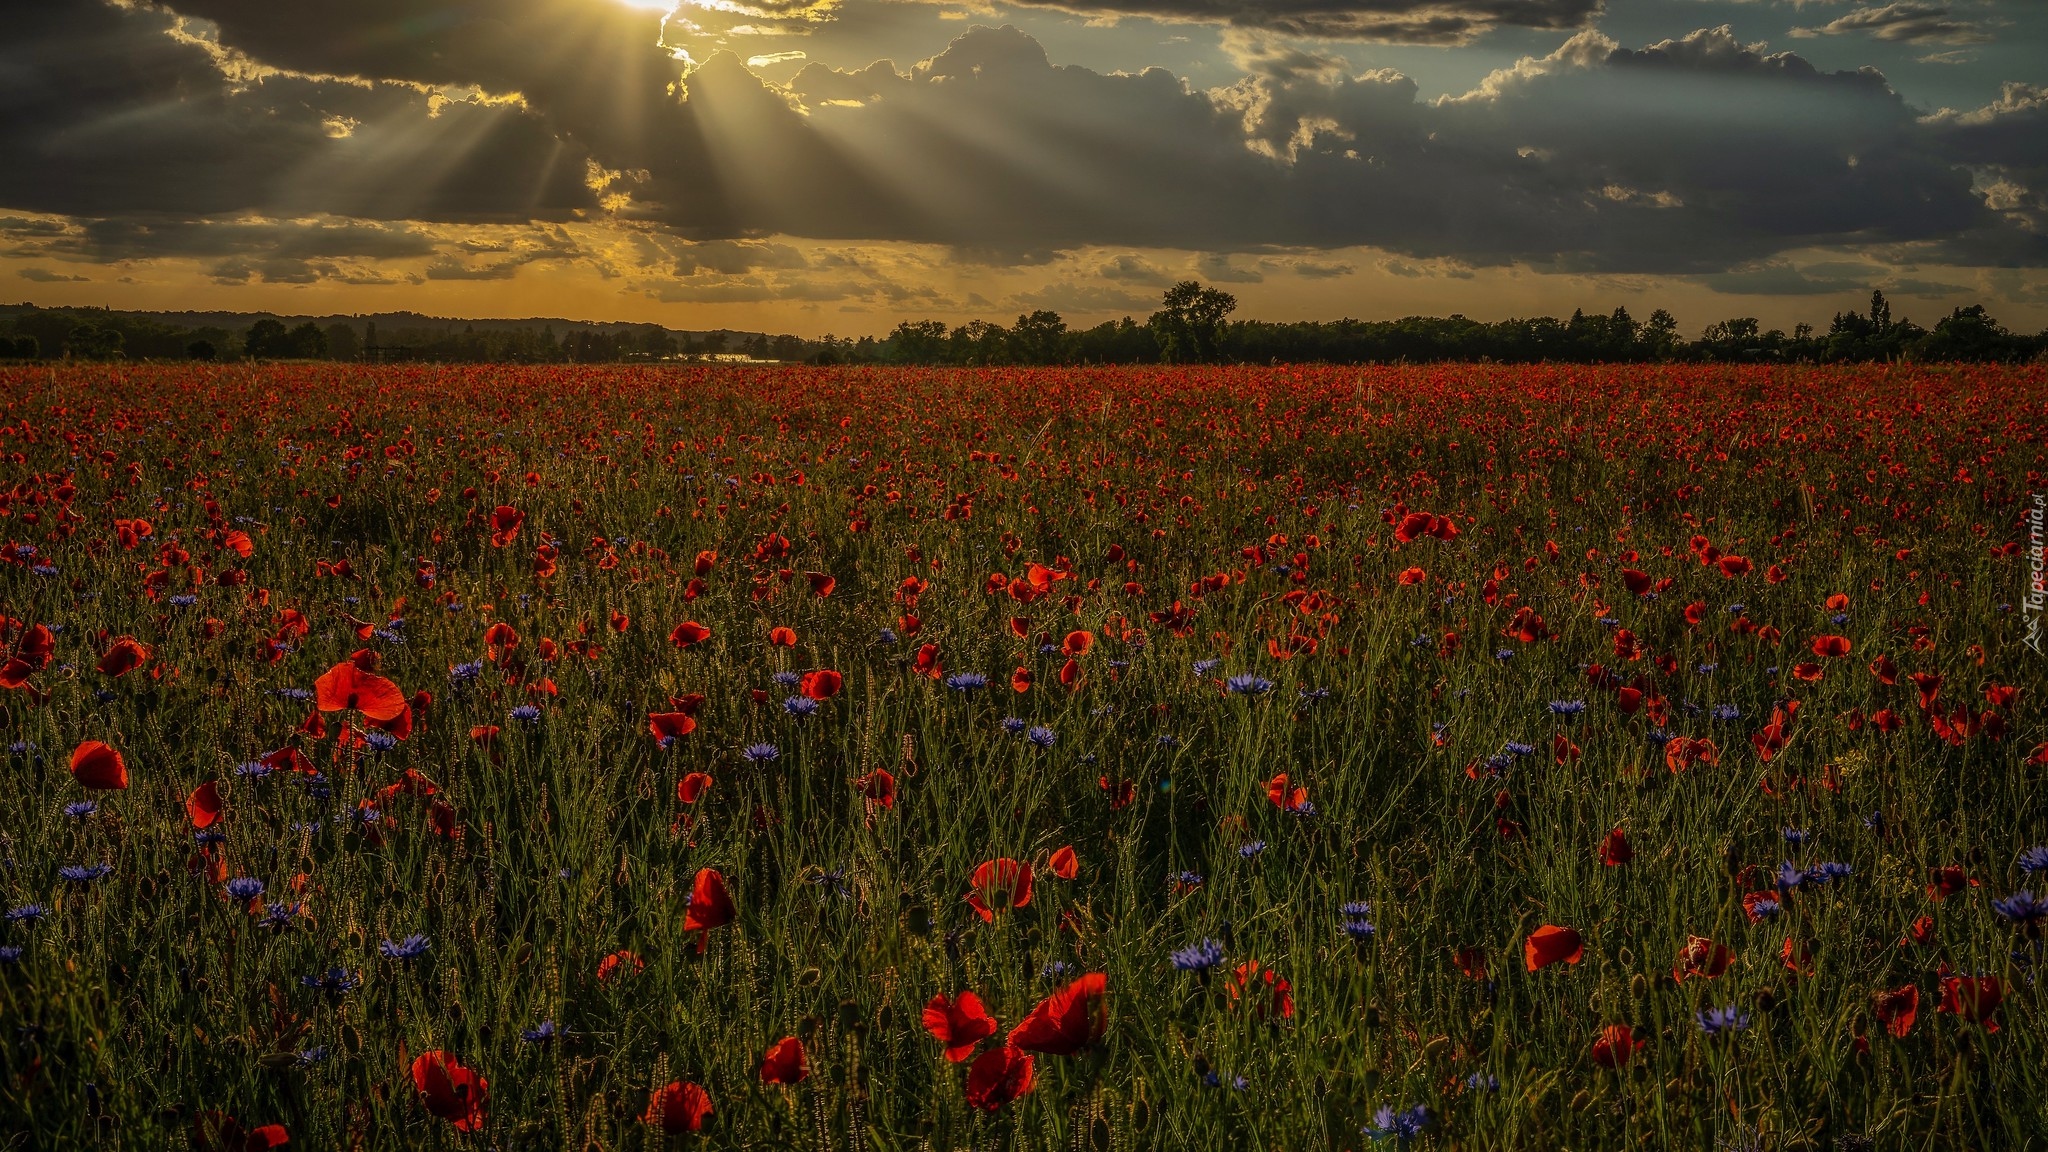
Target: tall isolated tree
{"points": [[1189, 323]]}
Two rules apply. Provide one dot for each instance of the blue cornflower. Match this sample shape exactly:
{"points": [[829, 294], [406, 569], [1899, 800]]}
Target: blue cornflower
{"points": [[460, 674], [1246, 684], [80, 809], [209, 836], [966, 681], [1504, 654], [1041, 737], [410, 948], [2022, 907], [84, 873], [1013, 725], [1715, 1021], [1057, 970], [1726, 712], [1204, 667], [1796, 836], [1311, 695], [1168, 740], [757, 753], [1737, 609], [334, 982], [1499, 762], [1513, 748], [1830, 870], [1763, 908], [185, 600], [1707, 669], [1482, 1082], [295, 693], [1048, 649], [253, 769], [542, 1033], [835, 880], [1567, 708], [1790, 876], [1252, 849], [1402, 1126], [525, 714], [1839, 618], [278, 917], [245, 887], [887, 636], [380, 741], [1423, 640], [26, 914], [307, 1057], [1200, 956], [1659, 737], [800, 707], [787, 679], [2034, 860], [1187, 879], [1359, 930], [10, 954]]}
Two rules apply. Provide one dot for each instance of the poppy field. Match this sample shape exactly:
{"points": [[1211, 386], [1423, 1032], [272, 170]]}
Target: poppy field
{"points": [[1127, 758]]}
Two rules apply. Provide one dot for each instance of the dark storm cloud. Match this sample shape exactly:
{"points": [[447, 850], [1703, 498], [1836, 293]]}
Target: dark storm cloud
{"points": [[1696, 155], [103, 112], [1385, 21]]}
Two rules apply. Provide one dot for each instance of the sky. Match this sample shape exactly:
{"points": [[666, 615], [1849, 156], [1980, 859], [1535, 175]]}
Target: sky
{"points": [[835, 166]]}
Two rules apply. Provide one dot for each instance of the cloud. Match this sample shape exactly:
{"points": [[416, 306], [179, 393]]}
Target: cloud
{"points": [[1441, 22], [46, 276], [1907, 23], [207, 132]]}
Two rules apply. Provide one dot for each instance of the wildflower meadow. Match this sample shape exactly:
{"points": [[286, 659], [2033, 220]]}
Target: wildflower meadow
{"points": [[1457, 757]]}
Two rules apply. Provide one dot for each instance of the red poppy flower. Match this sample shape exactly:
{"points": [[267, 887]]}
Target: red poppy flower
{"points": [[1410, 576], [1701, 957], [449, 1090], [1065, 864], [620, 963], [1278, 999], [1732, 566], [666, 725], [821, 583], [15, 673], [220, 1132], [1973, 998], [1550, 944], [1897, 1009], [690, 787], [678, 1107], [1077, 643], [1628, 700], [203, 805], [1830, 646], [1000, 1076], [98, 768], [347, 686], [710, 906], [1615, 850], [781, 637], [1067, 1021], [822, 684], [879, 787], [505, 522], [1616, 1045], [1947, 880], [1020, 681], [123, 656], [785, 1063], [1683, 752], [1470, 961], [687, 633], [958, 1024], [1000, 883], [1286, 801]]}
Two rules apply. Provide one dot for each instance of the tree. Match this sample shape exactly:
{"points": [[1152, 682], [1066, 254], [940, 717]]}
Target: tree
{"points": [[306, 342], [1038, 338], [1189, 323], [918, 342], [199, 350], [341, 342], [89, 342], [266, 340]]}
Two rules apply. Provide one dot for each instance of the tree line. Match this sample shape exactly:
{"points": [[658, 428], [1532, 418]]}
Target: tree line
{"points": [[1191, 326]]}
